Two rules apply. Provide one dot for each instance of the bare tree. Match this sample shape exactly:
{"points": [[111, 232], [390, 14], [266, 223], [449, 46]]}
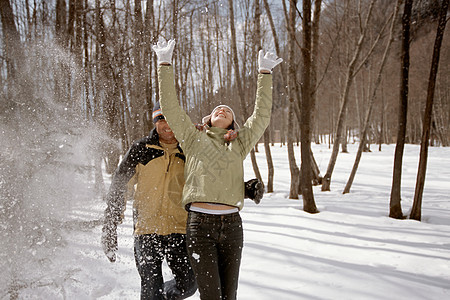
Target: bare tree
{"points": [[366, 123], [314, 59], [295, 172], [351, 71], [138, 85], [257, 43], [395, 209], [239, 84], [306, 108], [104, 85], [416, 210], [271, 170], [235, 58], [149, 29]]}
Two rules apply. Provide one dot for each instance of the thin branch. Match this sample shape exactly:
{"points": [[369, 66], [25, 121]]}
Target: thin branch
{"points": [[330, 56], [374, 44], [299, 13]]}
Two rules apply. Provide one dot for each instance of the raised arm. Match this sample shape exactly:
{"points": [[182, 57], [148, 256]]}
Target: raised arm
{"points": [[177, 118], [257, 123]]}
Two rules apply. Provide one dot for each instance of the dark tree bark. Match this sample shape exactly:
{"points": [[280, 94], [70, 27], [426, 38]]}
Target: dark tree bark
{"points": [[309, 204], [416, 210], [138, 107], [295, 172], [11, 39], [395, 208], [60, 21], [148, 67]]}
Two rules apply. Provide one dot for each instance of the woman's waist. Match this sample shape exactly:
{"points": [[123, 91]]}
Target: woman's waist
{"points": [[212, 206], [213, 200]]}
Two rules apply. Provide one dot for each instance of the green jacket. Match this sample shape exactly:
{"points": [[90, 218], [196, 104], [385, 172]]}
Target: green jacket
{"points": [[214, 169]]}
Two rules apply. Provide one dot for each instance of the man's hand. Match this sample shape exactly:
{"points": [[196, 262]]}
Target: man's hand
{"points": [[254, 189], [164, 51], [109, 240], [267, 62]]}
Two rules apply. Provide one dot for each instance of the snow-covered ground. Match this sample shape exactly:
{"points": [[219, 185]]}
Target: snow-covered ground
{"points": [[350, 250]]}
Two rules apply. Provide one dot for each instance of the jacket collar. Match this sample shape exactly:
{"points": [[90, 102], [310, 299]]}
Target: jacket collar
{"points": [[153, 139], [216, 133]]}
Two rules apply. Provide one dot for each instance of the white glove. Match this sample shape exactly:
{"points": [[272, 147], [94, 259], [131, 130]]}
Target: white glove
{"points": [[164, 51], [267, 62]]}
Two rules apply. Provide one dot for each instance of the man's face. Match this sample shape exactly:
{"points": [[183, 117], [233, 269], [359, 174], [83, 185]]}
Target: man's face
{"points": [[165, 133], [222, 117]]}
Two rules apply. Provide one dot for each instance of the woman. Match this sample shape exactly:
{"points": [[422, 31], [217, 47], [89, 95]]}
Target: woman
{"points": [[214, 189]]}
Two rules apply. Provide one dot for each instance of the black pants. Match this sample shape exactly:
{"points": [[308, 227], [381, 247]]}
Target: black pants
{"points": [[149, 252], [215, 248]]}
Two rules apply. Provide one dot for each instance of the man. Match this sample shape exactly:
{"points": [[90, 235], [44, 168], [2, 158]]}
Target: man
{"points": [[154, 169]]}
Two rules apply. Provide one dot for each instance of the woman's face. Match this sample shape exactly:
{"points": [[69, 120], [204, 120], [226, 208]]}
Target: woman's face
{"points": [[222, 117]]}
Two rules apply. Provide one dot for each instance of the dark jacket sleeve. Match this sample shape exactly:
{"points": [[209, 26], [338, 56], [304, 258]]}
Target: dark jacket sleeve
{"points": [[115, 198]]}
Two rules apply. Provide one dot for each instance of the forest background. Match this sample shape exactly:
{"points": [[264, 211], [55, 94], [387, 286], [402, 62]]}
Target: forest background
{"points": [[78, 84]]}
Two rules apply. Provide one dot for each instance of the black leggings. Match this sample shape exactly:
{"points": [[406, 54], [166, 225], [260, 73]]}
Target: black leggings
{"points": [[149, 252], [215, 247]]}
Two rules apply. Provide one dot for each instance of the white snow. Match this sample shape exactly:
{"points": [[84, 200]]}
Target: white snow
{"points": [[350, 250]]}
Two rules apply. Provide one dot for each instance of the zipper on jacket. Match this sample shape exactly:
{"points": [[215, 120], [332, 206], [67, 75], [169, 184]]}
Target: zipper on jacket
{"points": [[166, 154]]}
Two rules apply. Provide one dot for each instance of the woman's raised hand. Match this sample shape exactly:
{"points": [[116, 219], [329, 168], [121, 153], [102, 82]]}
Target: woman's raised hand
{"points": [[267, 62], [164, 51]]}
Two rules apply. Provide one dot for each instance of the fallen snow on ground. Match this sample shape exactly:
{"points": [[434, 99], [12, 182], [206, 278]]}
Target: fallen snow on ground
{"points": [[350, 250]]}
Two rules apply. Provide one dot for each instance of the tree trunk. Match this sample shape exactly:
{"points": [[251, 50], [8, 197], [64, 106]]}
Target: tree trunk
{"points": [[239, 83], [365, 127], [416, 210], [309, 204], [257, 43], [147, 68], [382, 114], [282, 72], [345, 96], [270, 168], [314, 61], [104, 83], [395, 208], [295, 172], [137, 97]]}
